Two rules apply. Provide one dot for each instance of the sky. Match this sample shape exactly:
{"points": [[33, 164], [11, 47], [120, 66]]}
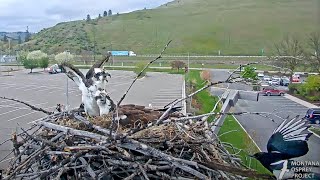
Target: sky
{"points": [[16, 15]]}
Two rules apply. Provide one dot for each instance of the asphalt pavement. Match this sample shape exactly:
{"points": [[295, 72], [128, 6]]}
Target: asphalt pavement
{"points": [[261, 128], [47, 90]]}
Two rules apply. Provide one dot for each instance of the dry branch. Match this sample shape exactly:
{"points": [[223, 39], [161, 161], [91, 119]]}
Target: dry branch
{"points": [[160, 56], [64, 148], [29, 105]]}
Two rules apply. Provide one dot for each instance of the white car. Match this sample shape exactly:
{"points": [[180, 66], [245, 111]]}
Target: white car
{"points": [[267, 78], [261, 75]]}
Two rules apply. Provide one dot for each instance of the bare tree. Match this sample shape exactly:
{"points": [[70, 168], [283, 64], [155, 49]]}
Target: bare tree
{"points": [[177, 65], [314, 53], [290, 53]]}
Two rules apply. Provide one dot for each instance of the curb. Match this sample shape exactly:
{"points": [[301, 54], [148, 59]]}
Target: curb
{"points": [[300, 101], [247, 133], [314, 134]]}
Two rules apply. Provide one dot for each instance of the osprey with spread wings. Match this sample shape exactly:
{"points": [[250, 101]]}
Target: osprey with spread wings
{"points": [[97, 102], [94, 79]]}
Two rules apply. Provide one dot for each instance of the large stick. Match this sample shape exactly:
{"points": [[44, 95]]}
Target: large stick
{"points": [[29, 105], [160, 56]]}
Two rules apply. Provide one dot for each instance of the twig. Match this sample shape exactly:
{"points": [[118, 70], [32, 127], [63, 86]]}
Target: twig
{"points": [[160, 56], [29, 105]]}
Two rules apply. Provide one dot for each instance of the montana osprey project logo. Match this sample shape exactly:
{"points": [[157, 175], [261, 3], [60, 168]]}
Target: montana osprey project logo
{"points": [[289, 141]]}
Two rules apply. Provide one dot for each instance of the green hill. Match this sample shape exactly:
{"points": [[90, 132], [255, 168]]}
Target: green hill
{"points": [[196, 26]]}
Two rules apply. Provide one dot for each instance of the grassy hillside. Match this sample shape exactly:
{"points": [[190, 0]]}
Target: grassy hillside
{"points": [[196, 26]]}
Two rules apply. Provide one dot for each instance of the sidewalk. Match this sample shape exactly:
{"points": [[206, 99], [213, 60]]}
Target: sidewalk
{"points": [[300, 101]]}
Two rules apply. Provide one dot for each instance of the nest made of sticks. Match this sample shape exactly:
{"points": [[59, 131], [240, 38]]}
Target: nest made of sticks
{"points": [[70, 146]]}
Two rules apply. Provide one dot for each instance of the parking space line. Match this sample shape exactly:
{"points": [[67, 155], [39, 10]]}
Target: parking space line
{"points": [[22, 116], [20, 109]]}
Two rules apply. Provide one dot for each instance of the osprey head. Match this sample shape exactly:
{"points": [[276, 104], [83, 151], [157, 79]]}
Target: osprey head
{"points": [[104, 101], [101, 75], [101, 96]]}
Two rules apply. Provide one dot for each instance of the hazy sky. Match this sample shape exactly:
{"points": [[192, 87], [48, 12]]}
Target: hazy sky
{"points": [[16, 15]]}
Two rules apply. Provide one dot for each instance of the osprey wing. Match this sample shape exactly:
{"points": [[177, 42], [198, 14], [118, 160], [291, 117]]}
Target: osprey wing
{"points": [[73, 73], [290, 138], [98, 64]]}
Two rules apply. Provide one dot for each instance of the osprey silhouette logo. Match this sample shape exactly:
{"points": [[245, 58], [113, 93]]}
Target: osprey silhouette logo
{"points": [[288, 141]]}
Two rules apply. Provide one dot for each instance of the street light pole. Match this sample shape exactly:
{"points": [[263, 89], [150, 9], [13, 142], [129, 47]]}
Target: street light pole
{"points": [[67, 90]]}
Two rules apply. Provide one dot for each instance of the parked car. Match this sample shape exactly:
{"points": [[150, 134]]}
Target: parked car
{"points": [[260, 75], [313, 115], [284, 82], [54, 69], [275, 81], [266, 78], [295, 79], [272, 91]]}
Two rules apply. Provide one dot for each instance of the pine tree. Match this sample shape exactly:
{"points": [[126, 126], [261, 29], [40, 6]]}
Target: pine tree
{"points": [[19, 39], [109, 12], [27, 37], [88, 18], [105, 13], [99, 17]]}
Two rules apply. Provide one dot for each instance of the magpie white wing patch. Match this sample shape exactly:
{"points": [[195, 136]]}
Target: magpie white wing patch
{"points": [[293, 129]]}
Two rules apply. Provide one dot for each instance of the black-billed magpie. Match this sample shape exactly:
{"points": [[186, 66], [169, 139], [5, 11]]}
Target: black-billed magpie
{"points": [[289, 140]]}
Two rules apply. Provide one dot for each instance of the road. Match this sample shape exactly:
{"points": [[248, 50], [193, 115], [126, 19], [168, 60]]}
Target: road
{"points": [[261, 128], [46, 91]]}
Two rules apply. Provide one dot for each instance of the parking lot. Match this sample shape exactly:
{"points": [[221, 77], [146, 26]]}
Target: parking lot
{"points": [[260, 128], [46, 91]]}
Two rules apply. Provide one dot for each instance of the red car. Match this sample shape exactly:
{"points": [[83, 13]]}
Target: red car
{"points": [[272, 91]]}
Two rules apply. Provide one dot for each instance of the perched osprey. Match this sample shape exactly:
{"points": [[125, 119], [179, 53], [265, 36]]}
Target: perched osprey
{"points": [[88, 84]]}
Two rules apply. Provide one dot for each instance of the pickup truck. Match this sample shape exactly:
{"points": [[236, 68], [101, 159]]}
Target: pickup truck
{"points": [[272, 91]]}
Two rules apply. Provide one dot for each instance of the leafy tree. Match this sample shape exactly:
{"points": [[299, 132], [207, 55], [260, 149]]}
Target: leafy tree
{"points": [[33, 59], [109, 12], [310, 89], [88, 18], [249, 73], [290, 53], [22, 56], [139, 67], [177, 65], [105, 13], [44, 62], [64, 56]]}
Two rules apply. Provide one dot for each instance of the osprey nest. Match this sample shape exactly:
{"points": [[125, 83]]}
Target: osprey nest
{"points": [[68, 145], [114, 141]]}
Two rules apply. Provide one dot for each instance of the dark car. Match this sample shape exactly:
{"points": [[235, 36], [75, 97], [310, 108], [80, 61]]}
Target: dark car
{"points": [[271, 91], [284, 82], [313, 115]]}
